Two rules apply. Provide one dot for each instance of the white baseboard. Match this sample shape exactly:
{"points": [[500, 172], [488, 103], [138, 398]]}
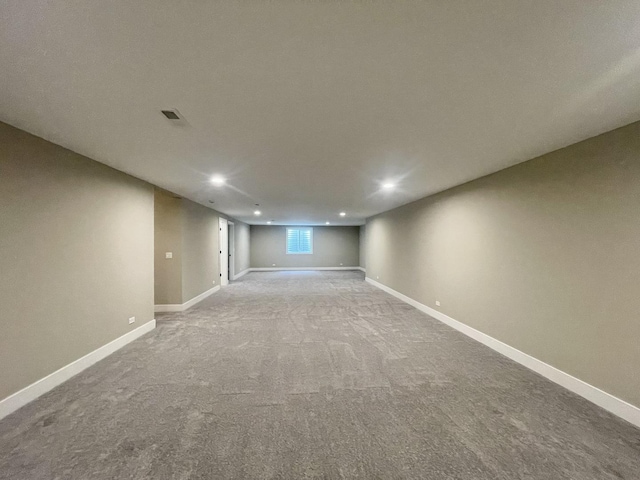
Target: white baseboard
{"points": [[180, 307], [277, 269], [618, 407], [362, 269], [22, 397], [241, 274]]}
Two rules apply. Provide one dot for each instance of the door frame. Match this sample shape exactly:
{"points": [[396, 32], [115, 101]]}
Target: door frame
{"points": [[223, 242], [231, 238]]}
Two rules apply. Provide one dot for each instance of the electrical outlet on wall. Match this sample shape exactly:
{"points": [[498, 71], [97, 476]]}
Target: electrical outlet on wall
{"points": [[131, 320], [214, 282], [437, 303], [168, 255], [273, 264], [341, 264], [377, 277]]}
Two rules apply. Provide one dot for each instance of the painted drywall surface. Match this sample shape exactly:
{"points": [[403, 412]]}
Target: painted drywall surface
{"points": [[361, 246], [77, 257], [242, 251], [168, 239], [332, 246], [200, 251], [191, 232], [542, 256]]}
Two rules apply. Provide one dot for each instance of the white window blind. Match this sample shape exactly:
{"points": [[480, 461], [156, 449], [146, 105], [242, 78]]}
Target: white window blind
{"points": [[299, 240]]}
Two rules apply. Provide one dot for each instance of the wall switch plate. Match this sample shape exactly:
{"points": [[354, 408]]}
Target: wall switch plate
{"points": [[437, 303], [168, 255], [131, 320]]}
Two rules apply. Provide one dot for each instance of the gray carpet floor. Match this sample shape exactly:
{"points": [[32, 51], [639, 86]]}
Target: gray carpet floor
{"points": [[292, 375]]}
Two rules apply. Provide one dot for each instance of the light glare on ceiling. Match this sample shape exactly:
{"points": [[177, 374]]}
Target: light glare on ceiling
{"points": [[342, 214], [217, 180], [269, 222], [388, 185], [257, 212], [327, 223]]}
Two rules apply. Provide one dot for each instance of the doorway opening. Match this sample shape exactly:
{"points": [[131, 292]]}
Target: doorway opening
{"points": [[232, 251], [224, 252]]}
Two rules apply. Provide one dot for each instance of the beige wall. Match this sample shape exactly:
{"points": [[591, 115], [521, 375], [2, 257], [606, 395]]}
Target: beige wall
{"points": [[76, 243], [168, 238], [361, 246], [332, 246], [200, 251], [242, 242], [191, 232], [544, 256]]}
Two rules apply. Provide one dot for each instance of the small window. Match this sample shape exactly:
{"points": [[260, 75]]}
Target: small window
{"points": [[300, 240]]}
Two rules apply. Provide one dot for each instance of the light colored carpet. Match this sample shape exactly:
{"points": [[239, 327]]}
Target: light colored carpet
{"points": [[295, 375]]}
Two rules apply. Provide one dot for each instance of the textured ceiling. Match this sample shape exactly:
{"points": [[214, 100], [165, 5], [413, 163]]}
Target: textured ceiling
{"points": [[305, 107]]}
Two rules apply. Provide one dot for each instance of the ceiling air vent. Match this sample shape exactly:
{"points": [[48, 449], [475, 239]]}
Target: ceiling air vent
{"points": [[171, 114]]}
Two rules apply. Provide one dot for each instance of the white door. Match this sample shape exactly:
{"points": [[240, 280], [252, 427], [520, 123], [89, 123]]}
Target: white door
{"points": [[224, 252]]}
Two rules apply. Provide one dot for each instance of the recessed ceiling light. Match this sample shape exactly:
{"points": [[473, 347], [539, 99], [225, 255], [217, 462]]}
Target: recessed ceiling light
{"points": [[327, 223], [257, 212], [217, 180], [388, 186], [342, 214]]}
